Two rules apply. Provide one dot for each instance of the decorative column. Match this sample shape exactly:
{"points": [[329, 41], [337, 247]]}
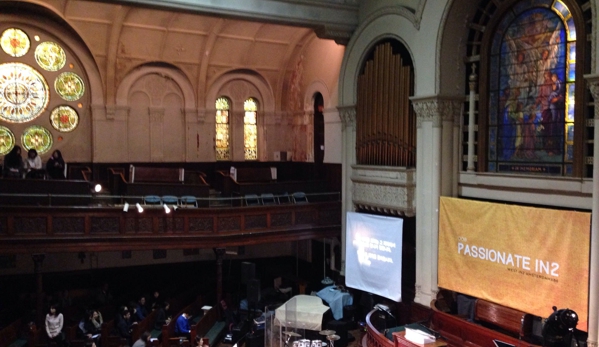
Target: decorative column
{"points": [[593, 339], [38, 259], [219, 252], [471, 116], [435, 118], [348, 136]]}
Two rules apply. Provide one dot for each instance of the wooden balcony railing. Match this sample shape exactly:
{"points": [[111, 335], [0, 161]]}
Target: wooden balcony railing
{"points": [[109, 228]]}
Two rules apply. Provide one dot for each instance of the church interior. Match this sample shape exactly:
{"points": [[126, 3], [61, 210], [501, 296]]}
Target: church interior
{"points": [[232, 143]]}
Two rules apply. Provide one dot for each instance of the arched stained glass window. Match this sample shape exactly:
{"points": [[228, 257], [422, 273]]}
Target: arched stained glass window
{"points": [[24, 93], [531, 90], [250, 129], [37, 137], [15, 42], [222, 129], [7, 140]]}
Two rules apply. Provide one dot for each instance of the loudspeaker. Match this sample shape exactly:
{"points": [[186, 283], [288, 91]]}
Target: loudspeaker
{"points": [[248, 271], [253, 291]]}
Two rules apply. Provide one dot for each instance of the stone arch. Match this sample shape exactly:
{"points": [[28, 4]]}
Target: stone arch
{"points": [[165, 71]]}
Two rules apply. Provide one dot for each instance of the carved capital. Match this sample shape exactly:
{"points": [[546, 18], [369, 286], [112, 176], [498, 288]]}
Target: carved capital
{"points": [[347, 115], [593, 83], [437, 109]]}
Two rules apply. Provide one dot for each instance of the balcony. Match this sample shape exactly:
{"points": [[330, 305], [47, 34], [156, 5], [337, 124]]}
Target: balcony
{"points": [[103, 225]]}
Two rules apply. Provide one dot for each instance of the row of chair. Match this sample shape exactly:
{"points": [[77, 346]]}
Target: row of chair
{"points": [[271, 199], [186, 201]]}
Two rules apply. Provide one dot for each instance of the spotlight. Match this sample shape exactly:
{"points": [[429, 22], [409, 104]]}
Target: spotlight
{"points": [[175, 207], [559, 328], [126, 207], [166, 209], [139, 208], [98, 188]]}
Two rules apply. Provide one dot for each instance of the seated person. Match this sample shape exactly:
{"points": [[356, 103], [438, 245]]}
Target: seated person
{"points": [[13, 163], [55, 166], [161, 317], [141, 310], [228, 315], [123, 327], [33, 165], [182, 328]]}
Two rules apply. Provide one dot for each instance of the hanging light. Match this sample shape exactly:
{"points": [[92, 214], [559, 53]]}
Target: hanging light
{"points": [[139, 208]]}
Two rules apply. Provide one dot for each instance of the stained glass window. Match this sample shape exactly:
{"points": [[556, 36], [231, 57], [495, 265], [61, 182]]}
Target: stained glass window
{"points": [[37, 137], [50, 56], [222, 129], [7, 140], [531, 91], [24, 93], [64, 118], [15, 42], [69, 86], [250, 129]]}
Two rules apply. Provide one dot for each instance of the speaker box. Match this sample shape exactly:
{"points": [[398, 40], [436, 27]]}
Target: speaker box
{"points": [[248, 271], [253, 291]]}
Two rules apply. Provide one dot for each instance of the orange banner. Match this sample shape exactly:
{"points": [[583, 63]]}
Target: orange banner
{"points": [[529, 259]]}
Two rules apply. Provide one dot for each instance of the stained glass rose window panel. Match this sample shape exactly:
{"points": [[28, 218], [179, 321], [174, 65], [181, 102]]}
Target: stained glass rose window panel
{"points": [[24, 93], [69, 86], [64, 118], [15, 42], [38, 138], [7, 140], [50, 56]]}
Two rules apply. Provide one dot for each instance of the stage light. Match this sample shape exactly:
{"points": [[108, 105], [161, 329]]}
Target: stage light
{"points": [[175, 207], [126, 207], [166, 209], [98, 188], [139, 208], [559, 328]]}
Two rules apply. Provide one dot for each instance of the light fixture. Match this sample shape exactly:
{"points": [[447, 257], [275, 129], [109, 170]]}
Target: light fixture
{"points": [[558, 330], [98, 188], [175, 207], [139, 208], [166, 209], [126, 207]]}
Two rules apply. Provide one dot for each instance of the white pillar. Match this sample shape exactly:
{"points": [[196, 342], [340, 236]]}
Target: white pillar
{"points": [[434, 176], [348, 117], [593, 340]]}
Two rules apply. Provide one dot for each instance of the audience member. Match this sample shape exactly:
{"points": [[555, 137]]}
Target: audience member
{"points": [[97, 319], [161, 317], [156, 300], [104, 296], [54, 323], [88, 329], [13, 163], [122, 326], [143, 340], [182, 328], [132, 307], [33, 165], [142, 311], [55, 166]]}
